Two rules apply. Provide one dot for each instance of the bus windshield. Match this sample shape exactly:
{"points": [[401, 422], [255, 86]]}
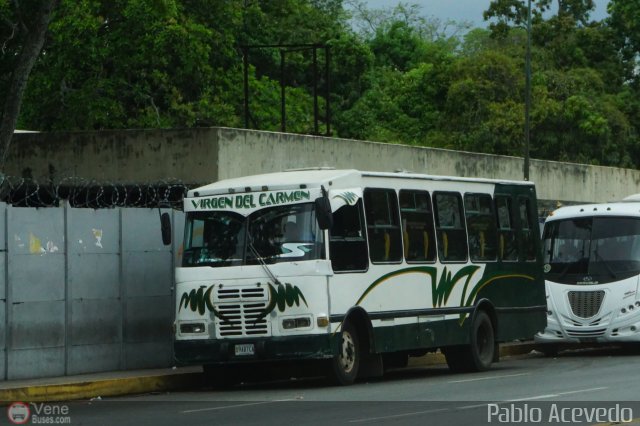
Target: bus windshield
{"points": [[273, 235], [592, 250]]}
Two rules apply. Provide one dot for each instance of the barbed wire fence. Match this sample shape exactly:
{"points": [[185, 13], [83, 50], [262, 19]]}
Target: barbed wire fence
{"points": [[89, 193]]}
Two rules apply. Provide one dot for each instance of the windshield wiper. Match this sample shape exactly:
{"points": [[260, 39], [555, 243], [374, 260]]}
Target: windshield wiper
{"points": [[262, 262]]}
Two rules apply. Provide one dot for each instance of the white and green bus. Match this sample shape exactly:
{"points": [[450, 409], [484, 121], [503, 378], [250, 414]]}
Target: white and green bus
{"points": [[357, 271]]}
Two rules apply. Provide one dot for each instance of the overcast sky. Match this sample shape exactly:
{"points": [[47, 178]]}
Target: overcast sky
{"points": [[464, 10]]}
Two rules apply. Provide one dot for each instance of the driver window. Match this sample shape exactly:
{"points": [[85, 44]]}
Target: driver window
{"points": [[347, 243]]}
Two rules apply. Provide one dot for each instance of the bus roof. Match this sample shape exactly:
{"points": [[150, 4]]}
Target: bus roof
{"points": [[618, 208], [317, 177]]}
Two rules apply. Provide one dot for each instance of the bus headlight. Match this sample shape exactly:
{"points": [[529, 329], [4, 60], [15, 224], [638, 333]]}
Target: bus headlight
{"points": [[296, 322], [192, 328]]}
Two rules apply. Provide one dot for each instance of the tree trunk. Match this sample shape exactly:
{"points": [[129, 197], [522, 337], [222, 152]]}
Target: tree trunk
{"points": [[32, 44]]}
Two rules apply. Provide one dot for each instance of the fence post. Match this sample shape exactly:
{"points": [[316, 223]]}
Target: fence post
{"points": [[4, 249], [67, 288]]}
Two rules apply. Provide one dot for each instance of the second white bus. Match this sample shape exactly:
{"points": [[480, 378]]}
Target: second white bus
{"points": [[592, 271]]}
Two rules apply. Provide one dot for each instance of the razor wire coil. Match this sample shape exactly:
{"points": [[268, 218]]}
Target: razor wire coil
{"points": [[89, 193]]}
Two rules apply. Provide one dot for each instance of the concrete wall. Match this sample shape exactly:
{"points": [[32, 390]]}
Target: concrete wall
{"points": [[131, 156], [84, 290], [199, 156]]}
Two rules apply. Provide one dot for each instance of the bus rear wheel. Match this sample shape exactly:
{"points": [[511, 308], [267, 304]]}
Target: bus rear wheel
{"points": [[479, 354], [345, 365]]}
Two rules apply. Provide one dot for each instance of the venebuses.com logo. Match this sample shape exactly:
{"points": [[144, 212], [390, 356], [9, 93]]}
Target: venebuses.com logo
{"points": [[18, 413]]}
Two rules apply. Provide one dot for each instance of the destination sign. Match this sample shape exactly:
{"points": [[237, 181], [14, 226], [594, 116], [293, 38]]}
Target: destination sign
{"points": [[248, 201]]}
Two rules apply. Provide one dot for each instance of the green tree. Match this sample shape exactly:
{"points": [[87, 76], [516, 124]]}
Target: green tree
{"points": [[134, 64], [175, 63], [404, 90], [624, 21], [484, 110], [23, 26]]}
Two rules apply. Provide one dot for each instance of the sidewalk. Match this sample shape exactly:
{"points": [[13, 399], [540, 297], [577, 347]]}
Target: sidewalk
{"points": [[87, 386]]}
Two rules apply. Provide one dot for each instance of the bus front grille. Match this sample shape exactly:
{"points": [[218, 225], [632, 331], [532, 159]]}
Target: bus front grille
{"points": [[240, 309], [586, 333], [227, 294], [585, 304], [242, 319]]}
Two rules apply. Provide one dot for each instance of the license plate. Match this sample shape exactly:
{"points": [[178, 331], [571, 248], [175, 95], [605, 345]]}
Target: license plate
{"points": [[245, 349]]}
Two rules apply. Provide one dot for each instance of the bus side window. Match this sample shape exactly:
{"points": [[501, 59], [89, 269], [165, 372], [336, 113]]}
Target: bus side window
{"points": [[526, 230], [507, 244], [383, 225], [347, 244], [481, 227], [450, 227], [418, 234]]}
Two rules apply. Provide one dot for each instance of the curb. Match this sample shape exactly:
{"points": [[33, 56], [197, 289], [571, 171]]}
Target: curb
{"points": [[99, 388]]}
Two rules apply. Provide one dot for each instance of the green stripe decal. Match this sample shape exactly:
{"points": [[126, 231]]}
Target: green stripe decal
{"points": [[442, 288], [440, 292]]}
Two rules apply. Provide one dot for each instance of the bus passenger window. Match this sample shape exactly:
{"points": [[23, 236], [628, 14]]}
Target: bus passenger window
{"points": [[507, 245], [527, 234], [347, 244], [383, 225], [418, 234], [450, 227], [481, 227]]}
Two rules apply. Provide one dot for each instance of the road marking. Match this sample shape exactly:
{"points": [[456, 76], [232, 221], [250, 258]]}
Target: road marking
{"points": [[488, 378], [553, 395], [235, 406], [469, 407], [395, 416]]}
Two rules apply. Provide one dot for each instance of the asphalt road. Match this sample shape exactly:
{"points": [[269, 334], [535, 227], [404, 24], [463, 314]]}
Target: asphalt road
{"points": [[597, 386]]}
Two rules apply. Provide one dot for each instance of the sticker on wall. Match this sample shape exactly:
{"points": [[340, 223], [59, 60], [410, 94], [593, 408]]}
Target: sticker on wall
{"points": [[97, 233], [35, 245], [52, 247]]}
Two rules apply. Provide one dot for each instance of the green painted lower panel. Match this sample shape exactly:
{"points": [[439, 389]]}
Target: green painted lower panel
{"points": [[198, 352], [423, 335], [522, 325]]}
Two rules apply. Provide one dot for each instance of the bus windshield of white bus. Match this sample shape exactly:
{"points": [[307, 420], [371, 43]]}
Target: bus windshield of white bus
{"points": [[271, 235], [592, 250]]}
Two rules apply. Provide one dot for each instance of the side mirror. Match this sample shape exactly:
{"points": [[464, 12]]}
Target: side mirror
{"points": [[323, 212], [165, 227]]}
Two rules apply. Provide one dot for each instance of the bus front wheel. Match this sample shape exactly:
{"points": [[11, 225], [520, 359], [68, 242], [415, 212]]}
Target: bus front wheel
{"points": [[345, 365]]}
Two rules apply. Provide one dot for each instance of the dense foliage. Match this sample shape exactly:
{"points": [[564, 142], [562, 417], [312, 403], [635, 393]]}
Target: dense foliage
{"points": [[394, 76]]}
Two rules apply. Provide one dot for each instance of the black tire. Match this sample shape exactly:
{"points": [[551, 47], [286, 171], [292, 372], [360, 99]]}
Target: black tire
{"points": [[480, 353], [457, 358], [483, 341], [345, 364]]}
